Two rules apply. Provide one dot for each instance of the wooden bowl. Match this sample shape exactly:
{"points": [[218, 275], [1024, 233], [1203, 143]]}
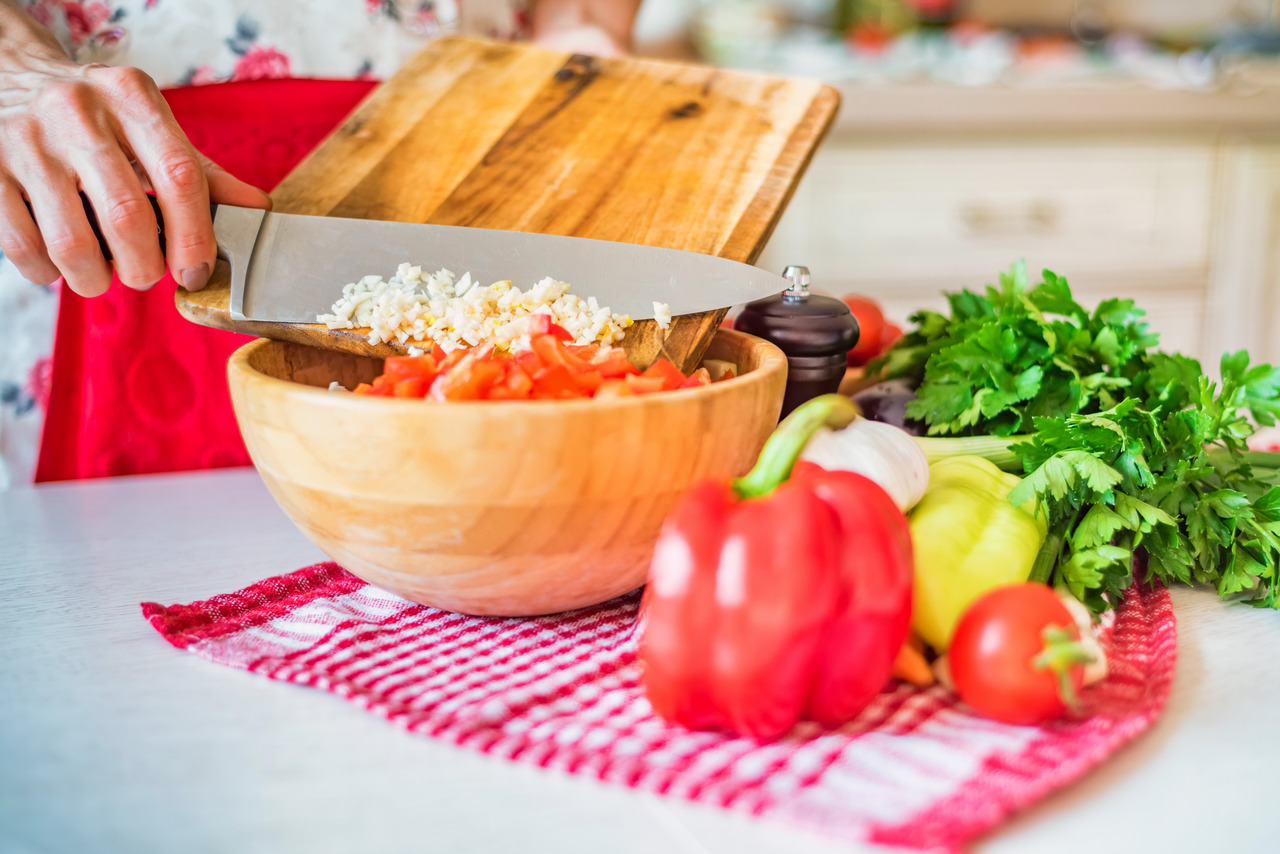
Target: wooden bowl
{"points": [[508, 508]]}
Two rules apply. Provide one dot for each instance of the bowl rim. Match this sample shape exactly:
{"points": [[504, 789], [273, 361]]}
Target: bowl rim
{"points": [[772, 361]]}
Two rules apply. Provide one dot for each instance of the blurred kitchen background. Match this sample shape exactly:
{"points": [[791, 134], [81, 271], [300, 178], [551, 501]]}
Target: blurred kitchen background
{"points": [[1130, 145]]}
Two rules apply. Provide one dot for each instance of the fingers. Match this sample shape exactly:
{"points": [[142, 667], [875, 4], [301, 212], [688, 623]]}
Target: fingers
{"points": [[125, 218], [226, 189], [177, 175], [20, 240], [71, 243], [77, 130], [174, 169], [62, 138]]}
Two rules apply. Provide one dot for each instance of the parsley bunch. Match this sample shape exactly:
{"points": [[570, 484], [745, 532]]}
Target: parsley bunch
{"points": [[1124, 446], [1004, 359]]}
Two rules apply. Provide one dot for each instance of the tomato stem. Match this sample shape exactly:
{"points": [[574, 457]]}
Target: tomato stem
{"points": [[1062, 651], [785, 446]]}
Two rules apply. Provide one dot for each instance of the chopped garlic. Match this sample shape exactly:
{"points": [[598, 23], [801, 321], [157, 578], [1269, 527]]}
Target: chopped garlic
{"points": [[423, 310], [662, 314]]}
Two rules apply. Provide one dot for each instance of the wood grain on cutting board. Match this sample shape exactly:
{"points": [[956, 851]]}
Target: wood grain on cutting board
{"points": [[517, 137]]}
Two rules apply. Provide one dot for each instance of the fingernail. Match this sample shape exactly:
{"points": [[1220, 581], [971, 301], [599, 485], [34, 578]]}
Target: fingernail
{"points": [[195, 278]]}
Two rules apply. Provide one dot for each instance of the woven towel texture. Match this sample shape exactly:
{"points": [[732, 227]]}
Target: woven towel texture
{"points": [[915, 769]]}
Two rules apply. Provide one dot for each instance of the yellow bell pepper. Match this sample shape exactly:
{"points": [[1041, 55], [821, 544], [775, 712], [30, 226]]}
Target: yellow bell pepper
{"points": [[968, 539]]}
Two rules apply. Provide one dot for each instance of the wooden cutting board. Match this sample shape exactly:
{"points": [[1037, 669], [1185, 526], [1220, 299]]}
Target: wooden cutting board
{"points": [[511, 136]]}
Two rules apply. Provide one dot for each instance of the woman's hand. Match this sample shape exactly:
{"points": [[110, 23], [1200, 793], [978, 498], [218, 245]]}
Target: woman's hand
{"points": [[106, 132]]}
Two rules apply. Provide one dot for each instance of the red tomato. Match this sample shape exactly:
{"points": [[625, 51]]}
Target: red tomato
{"points": [[994, 651], [870, 37], [870, 329], [671, 376], [892, 332]]}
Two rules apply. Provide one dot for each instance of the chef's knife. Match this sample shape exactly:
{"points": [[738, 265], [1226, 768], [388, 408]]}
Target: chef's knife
{"points": [[291, 268]]}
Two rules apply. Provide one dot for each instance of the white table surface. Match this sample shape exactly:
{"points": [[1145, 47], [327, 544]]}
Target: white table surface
{"points": [[113, 741]]}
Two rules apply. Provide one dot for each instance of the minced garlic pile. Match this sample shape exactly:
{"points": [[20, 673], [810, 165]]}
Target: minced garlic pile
{"points": [[422, 310]]}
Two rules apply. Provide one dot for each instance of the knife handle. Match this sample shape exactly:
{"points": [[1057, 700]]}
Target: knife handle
{"points": [[97, 230]]}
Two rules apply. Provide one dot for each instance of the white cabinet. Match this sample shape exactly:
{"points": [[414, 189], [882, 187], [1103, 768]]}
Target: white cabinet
{"points": [[1187, 226], [1242, 302]]}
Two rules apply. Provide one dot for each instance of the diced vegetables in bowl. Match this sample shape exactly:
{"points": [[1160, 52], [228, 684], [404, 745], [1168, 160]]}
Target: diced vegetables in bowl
{"points": [[551, 369]]}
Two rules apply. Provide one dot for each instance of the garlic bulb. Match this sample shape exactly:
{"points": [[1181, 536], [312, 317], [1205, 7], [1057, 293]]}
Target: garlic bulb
{"points": [[879, 451]]}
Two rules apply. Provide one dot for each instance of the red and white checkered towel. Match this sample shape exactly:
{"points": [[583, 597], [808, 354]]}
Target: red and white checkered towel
{"points": [[915, 769]]}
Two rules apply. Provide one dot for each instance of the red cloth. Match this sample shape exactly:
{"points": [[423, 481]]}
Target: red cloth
{"points": [[136, 389], [916, 769]]}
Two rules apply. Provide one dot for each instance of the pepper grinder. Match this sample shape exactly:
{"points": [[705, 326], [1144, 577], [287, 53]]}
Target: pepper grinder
{"points": [[815, 332]]}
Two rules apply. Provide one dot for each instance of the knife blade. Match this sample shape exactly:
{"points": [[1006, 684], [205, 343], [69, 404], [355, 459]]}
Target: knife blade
{"points": [[292, 268]]}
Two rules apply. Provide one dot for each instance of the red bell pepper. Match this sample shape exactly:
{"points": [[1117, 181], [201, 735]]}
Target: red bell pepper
{"points": [[779, 596]]}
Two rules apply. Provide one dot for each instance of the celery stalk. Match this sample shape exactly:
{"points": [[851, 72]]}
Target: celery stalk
{"points": [[994, 448]]}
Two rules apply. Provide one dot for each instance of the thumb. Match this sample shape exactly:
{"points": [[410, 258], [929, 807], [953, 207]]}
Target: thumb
{"points": [[227, 189]]}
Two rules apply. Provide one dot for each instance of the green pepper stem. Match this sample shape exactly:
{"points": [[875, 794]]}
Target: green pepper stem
{"points": [[785, 446], [1061, 653]]}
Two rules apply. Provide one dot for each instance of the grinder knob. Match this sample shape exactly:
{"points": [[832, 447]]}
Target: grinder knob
{"points": [[814, 331]]}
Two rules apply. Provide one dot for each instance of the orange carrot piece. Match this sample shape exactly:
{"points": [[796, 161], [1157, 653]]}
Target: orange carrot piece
{"points": [[911, 666]]}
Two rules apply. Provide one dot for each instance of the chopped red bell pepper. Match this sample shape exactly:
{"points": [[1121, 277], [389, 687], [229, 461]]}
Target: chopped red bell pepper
{"points": [[542, 324], [452, 358], [782, 595], [412, 387], [613, 388], [379, 390], [644, 385], [403, 367], [588, 381], [517, 385], [699, 377], [671, 376], [615, 366], [555, 381], [474, 382], [551, 369], [552, 352]]}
